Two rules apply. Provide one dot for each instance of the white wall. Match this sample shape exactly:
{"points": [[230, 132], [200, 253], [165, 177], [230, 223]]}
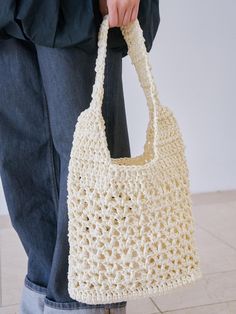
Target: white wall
{"points": [[3, 205], [193, 61]]}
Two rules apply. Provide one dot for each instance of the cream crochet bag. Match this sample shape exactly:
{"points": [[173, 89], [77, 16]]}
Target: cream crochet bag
{"points": [[131, 230]]}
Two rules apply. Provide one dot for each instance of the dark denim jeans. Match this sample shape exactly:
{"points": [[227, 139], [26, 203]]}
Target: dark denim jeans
{"points": [[42, 92]]}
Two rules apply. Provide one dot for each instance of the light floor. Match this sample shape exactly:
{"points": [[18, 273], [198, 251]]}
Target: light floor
{"points": [[215, 293]]}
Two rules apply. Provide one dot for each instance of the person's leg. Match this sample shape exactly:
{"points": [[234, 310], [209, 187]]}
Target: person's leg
{"points": [[68, 76], [29, 165]]}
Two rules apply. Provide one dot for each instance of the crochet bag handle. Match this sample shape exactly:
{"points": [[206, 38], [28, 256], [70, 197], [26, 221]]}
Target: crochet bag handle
{"points": [[133, 36]]}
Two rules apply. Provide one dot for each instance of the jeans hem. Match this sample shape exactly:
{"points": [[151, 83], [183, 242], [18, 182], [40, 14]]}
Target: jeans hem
{"points": [[34, 287], [74, 305]]}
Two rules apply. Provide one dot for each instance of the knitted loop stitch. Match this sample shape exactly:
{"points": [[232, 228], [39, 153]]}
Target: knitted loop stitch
{"points": [[130, 229]]}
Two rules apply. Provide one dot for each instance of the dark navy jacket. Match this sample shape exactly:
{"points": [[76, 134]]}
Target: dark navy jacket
{"points": [[64, 23]]}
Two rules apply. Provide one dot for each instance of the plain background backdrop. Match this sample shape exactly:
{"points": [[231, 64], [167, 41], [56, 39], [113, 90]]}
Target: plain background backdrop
{"points": [[194, 65]]}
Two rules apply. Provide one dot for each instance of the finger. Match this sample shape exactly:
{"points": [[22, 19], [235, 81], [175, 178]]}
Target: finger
{"points": [[134, 14], [112, 15], [121, 14], [104, 11], [103, 7], [127, 17]]}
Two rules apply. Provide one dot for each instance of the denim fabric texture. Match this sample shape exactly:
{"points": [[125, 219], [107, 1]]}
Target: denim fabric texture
{"points": [[34, 302], [42, 92]]}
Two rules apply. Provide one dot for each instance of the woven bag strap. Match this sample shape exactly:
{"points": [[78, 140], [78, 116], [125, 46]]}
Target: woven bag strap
{"points": [[134, 38]]}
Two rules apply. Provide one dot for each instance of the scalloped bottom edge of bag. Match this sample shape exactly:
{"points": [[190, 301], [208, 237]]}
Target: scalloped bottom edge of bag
{"points": [[183, 281]]}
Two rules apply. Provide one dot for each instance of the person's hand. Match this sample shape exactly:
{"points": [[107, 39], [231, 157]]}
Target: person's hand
{"points": [[120, 12], [103, 7]]}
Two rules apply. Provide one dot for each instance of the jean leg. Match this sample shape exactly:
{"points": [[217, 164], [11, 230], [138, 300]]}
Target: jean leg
{"points": [[98, 310], [27, 159], [32, 298], [68, 76]]}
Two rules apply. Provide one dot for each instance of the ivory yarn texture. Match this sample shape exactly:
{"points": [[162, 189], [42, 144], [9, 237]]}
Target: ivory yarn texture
{"points": [[130, 230]]}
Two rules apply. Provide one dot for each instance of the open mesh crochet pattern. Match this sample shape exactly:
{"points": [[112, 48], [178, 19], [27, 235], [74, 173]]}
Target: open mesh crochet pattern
{"points": [[131, 229]]}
